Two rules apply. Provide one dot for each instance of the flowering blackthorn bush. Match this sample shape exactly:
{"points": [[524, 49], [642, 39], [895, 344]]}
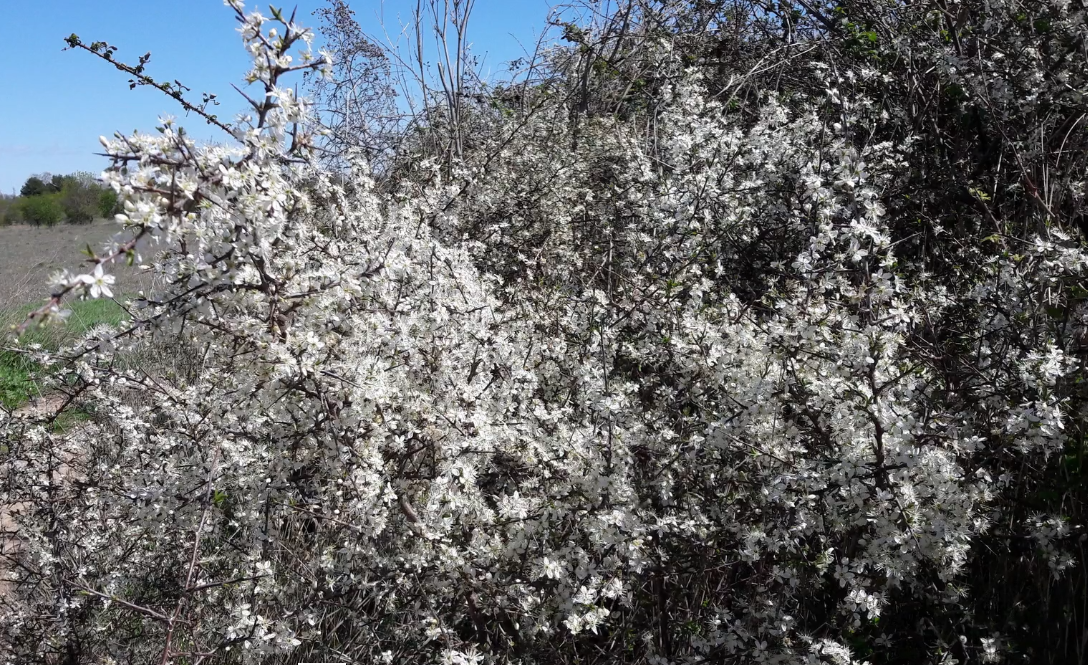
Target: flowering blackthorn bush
{"points": [[760, 346]]}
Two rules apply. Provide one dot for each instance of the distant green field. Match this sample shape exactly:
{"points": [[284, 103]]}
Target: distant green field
{"points": [[28, 255], [17, 372]]}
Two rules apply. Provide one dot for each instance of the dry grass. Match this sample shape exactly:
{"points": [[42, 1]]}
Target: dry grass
{"points": [[30, 254]]}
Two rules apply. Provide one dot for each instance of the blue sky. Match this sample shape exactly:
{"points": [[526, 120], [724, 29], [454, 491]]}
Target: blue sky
{"points": [[55, 103]]}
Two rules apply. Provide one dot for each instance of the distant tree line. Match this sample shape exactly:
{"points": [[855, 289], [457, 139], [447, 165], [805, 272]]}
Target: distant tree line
{"points": [[47, 199]]}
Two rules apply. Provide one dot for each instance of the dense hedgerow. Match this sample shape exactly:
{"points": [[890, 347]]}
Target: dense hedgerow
{"points": [[731, 334]]}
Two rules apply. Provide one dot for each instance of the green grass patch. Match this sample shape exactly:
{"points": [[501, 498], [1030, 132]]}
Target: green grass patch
{"points": [[68, 418], [17, 372], [16, 385]]}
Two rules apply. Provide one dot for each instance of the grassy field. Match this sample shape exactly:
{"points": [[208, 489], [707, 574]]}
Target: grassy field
{"points": [[17, 372], [28, 256]]}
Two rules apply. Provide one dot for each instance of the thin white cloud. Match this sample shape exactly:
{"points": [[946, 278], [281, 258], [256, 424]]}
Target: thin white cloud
{"points": [[47, 150]]}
